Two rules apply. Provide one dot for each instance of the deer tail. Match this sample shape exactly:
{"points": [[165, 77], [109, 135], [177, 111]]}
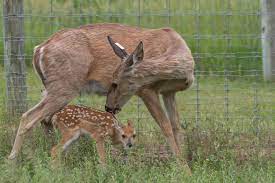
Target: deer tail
{"points": [[37, 62]]}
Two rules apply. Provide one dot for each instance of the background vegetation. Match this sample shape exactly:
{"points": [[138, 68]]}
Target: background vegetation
{"points": [[219, 148], [221, 33]]}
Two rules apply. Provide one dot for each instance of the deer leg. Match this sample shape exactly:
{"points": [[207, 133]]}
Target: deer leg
{"points": [[48, 106], [27, 115], [47, 127], [152, 102], [48, 130], [171, 108], [101, 151]]}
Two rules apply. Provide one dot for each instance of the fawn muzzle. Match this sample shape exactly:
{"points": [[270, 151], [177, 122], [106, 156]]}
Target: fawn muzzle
{"points": [[129, 145]]}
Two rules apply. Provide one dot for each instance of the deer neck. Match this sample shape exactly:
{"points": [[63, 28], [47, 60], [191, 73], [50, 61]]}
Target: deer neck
{"points": [[150, 71]]}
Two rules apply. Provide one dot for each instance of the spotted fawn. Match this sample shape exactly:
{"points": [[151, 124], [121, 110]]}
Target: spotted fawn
{"points": [[74, 121]]}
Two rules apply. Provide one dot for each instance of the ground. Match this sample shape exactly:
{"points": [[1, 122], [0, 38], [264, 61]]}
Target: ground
{"points": [[229, 137]]}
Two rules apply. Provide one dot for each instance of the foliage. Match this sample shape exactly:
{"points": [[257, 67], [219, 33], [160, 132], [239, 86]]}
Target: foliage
{"points": [[237, 149], [221, 34]]}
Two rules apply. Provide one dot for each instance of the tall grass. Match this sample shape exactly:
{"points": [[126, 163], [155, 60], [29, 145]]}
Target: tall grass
{"points": [[237, 149], [221, 33]]}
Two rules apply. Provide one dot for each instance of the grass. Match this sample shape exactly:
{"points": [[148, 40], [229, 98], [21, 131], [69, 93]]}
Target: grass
{"points": [[237, 149], [221, 34]]}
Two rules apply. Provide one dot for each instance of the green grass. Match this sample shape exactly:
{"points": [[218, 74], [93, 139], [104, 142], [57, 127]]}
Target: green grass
{"points": [[86, 171], [237, 149], [221, 34]]}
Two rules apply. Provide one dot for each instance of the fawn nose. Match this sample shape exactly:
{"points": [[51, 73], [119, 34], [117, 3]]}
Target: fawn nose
{"points": [[130, 145]]}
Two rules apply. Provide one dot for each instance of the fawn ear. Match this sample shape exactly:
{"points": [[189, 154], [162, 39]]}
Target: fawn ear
{"points": [[118, 49], [130, 123]]}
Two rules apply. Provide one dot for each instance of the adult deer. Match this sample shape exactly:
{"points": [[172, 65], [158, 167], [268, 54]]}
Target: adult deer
{"points": [[81, 59]]}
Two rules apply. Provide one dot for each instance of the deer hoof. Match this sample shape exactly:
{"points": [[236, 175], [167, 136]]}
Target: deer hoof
{"points": [[12, 155]]}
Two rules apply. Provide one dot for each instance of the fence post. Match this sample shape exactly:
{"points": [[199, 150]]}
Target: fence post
{"points": [[16, 90], [268, 38]]}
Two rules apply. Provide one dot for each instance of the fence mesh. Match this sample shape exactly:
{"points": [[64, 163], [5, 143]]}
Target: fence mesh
{"points": [[225, 38]]}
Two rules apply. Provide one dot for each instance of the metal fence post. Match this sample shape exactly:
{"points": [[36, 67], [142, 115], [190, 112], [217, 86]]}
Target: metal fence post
{"points": [[268, 38], [16, 90]]}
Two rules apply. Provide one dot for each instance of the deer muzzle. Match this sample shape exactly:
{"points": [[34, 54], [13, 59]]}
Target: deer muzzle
{"points": [[112, 110]]}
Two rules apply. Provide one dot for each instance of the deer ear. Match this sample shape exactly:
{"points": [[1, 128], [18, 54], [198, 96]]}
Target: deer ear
{"points": [[118, 49], [137, 55]]}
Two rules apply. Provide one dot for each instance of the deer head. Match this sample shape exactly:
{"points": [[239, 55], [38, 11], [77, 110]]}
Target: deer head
{"points": [[125, 135], [122, 87]]}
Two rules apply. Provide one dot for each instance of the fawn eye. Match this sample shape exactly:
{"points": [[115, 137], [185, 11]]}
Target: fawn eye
{"points": [[134, 136], [123, 136]]}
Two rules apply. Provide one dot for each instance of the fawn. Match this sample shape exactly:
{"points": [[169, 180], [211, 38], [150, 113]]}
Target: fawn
{"points": [[74, 121]]}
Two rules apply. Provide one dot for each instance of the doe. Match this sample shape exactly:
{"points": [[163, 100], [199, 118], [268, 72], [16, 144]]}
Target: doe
{"points": [[74, 121]]}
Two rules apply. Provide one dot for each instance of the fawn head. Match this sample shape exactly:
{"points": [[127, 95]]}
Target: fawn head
{"points": [[125, 135], [123, 87]]}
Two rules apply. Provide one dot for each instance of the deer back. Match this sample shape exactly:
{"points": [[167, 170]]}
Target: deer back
{"points": [[81, 59]]}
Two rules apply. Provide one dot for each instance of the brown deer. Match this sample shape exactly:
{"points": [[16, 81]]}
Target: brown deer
{"points": [[74, 121], [81, 59]]}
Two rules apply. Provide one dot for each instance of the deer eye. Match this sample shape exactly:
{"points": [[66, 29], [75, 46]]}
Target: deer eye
{"points": [[123, 136], [134, 136]]}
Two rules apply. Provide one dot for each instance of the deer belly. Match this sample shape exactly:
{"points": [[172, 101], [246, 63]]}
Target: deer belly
{"points": [[94, 86], [173, 85]]}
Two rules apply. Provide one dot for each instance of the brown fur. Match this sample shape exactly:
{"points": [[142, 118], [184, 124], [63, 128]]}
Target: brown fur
{"points": [[87, 47], [74, 121]]}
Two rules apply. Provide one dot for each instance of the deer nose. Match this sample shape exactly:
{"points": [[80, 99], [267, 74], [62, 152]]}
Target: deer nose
{"points": [[108, 109], [116, 110], [111, 110]]}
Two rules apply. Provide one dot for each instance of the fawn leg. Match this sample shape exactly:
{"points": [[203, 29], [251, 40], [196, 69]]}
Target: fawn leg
{"points": [[101, 151], [67, 139], [48, 130]]}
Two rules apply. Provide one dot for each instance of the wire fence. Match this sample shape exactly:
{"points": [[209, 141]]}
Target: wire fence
{"points": [[225, 38]]}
